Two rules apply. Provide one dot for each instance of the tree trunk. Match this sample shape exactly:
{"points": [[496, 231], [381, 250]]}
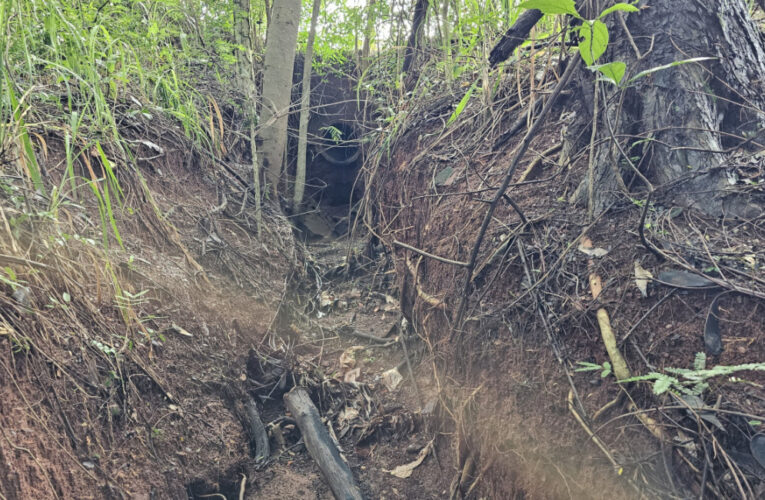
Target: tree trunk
{"points": [[245, 38], [277, 87], [418, 20], [369, 32], [305, 110], [684, 122]]}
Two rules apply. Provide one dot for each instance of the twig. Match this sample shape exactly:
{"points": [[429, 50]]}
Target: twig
{"points": [[9, 259], [591, 159], [409, 369], [595, 439], [430, 299], [539, 159], [644, 316], [242, 486], [430, 255], [501, 191]]}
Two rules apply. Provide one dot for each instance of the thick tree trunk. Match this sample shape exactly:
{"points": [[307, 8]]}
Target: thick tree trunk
{"points": [[277, 86], [685, 121]]}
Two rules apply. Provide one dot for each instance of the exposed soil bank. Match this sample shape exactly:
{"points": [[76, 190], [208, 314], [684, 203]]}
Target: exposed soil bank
{"points": [[527, 423]]}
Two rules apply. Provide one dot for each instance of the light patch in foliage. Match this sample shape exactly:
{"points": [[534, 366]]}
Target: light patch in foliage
{"points": [[551, 6]]}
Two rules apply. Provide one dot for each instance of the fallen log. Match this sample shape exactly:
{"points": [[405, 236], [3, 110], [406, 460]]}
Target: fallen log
{"points": [[256, 431], [320, 445]]}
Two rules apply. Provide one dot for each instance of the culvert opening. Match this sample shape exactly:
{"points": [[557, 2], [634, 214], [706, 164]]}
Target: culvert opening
{"points": [[335, 165], [331, 182], [339, 145]]}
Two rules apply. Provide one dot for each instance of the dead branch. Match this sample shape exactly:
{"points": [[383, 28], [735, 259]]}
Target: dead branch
{"points": [[320, 446]]}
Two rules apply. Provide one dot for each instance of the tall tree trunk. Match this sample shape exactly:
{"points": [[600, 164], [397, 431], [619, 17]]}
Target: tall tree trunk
{"points": [[418, 20], [684, 121], [277, 87], [245, 38], [446, 41], [305, 110], [369, 32]]}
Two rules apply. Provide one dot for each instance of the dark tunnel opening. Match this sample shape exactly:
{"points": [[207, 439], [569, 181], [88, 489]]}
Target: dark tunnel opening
{"points": [[339, 144], [334, 165]]}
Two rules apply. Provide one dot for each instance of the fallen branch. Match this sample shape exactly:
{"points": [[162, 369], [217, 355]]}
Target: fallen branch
{"points": [[320, 446], [430, 255], [256, 431]]}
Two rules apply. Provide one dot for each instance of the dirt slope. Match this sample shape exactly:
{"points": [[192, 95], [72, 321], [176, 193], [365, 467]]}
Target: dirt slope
{"points": [[531, 316]]}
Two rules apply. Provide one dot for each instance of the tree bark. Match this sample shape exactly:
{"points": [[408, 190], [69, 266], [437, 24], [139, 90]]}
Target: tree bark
{"points": [[320, 446], [305, 110], [277, 87], [686, 120], [514, 36], [412, 45], [369, 33], [246, 39]]}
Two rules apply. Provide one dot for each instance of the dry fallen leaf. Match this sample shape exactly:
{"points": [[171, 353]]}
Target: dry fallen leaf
{"points": [[404, 471], [351, 375], [391, 379], [750, 260], [592, 252], [596, 285], [180, 330], [347, 415], [348, 357], [326, 299], [641, 278]]}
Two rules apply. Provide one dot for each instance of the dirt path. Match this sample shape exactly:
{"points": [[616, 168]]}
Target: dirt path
{"points": [[352, 333]]}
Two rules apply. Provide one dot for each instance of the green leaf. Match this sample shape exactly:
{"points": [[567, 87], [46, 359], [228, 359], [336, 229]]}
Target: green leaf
{"points": [[624, 7], [586, 366], [613, 71], [606, 370], [755, 423], [67, 298], [667, 66], [552, 6], [662, 385], [594, 41], [462, 104], [700, 361], [30, 161]]}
